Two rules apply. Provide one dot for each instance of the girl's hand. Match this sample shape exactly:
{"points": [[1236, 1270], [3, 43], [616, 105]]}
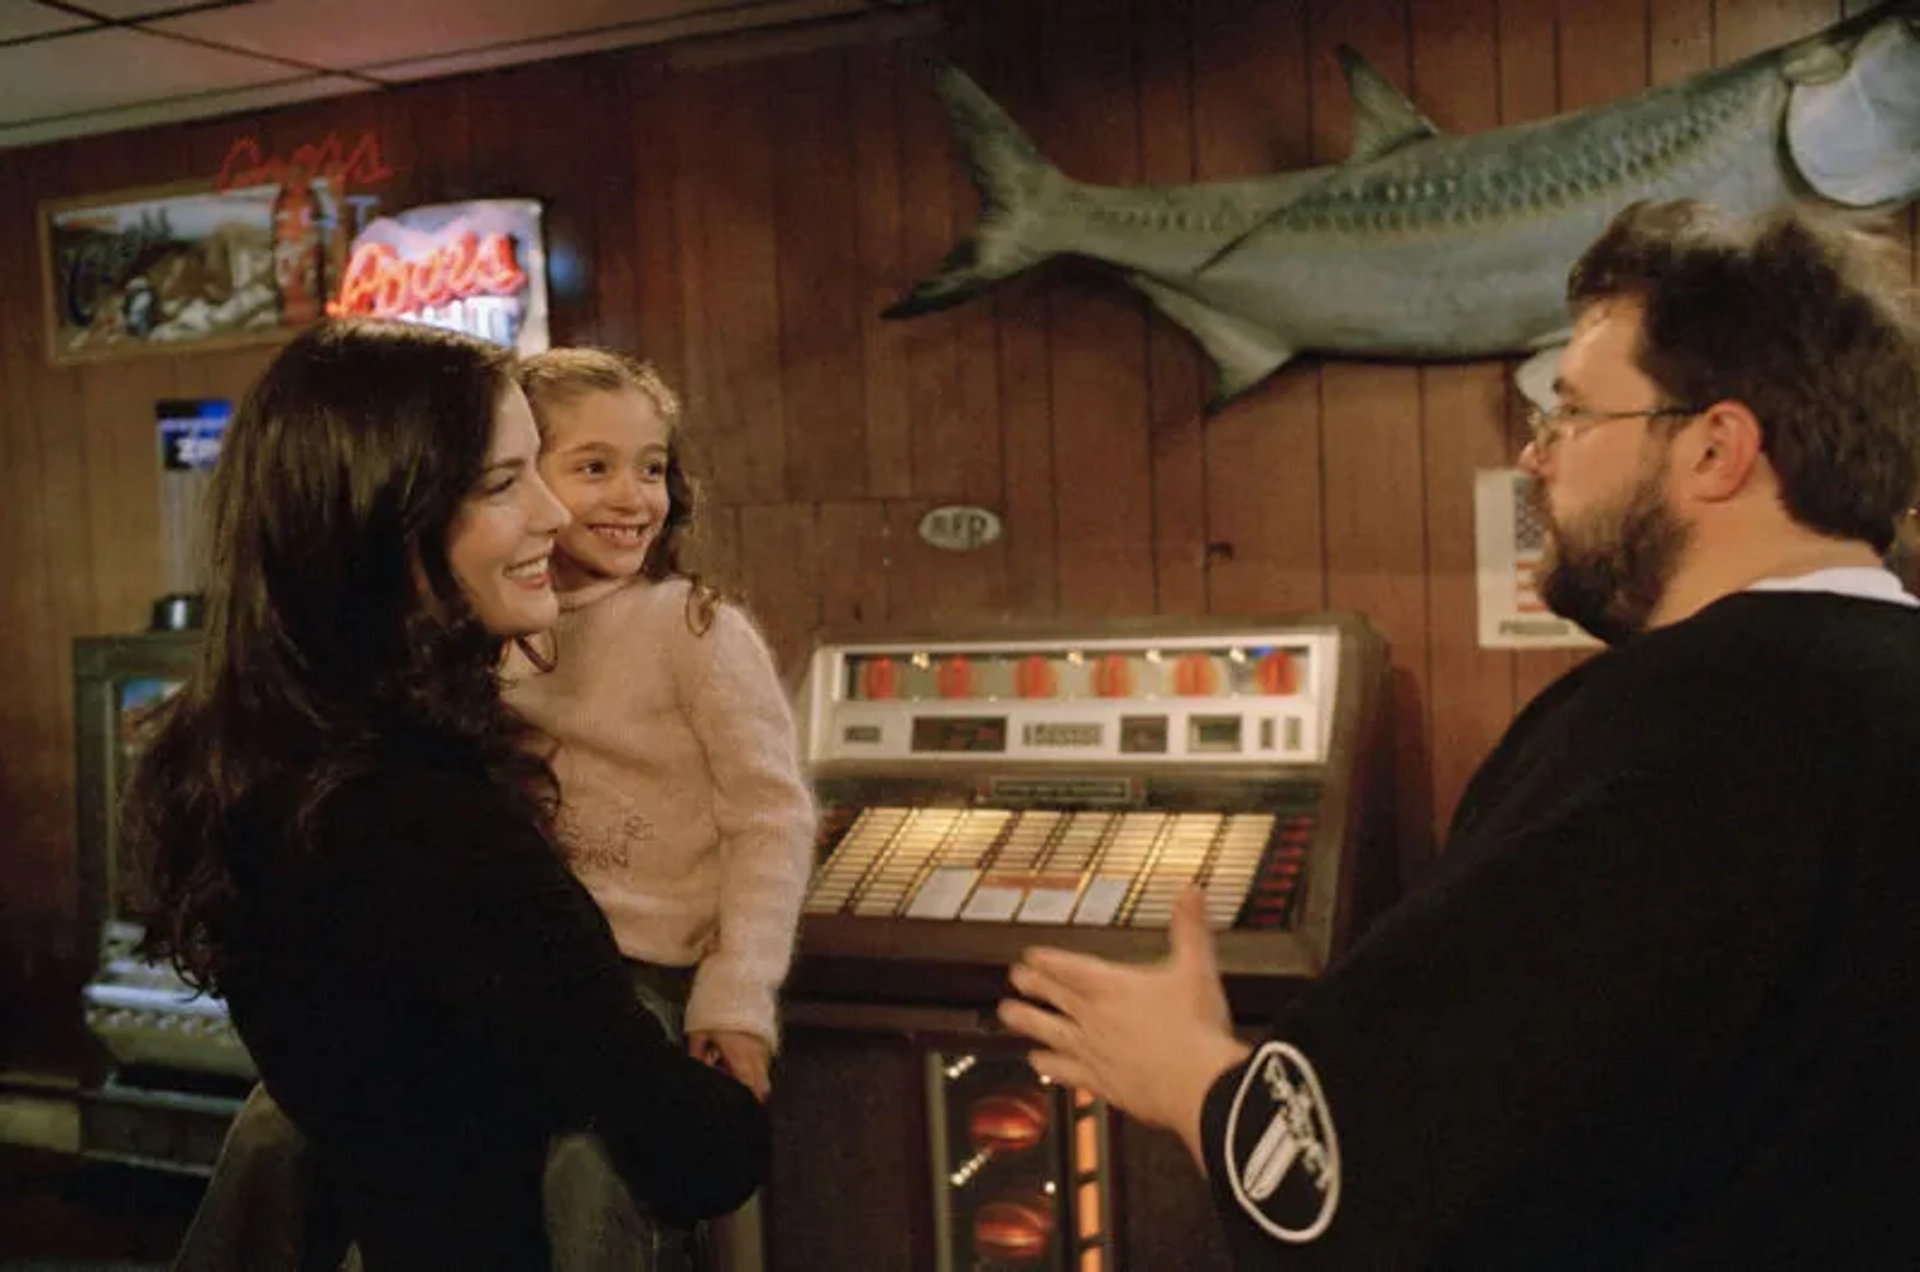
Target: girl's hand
{"points": [[746, 1056]]}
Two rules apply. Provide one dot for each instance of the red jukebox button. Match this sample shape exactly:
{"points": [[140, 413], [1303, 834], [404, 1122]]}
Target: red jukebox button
{"points": [[1195, 676], [1036, 677], [955, 678], [1113, 676], [1278, 673], [879, 679]]}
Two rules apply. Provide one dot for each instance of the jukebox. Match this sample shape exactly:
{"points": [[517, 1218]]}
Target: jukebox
{"points": [[1050, 786]]}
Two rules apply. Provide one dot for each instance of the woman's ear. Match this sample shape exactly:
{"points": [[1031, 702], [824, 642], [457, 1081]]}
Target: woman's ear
{"points": [[432, 598]]}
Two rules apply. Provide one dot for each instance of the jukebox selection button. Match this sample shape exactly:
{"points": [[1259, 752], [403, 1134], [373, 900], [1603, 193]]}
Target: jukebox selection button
{"points": [[943, 893], [994, 901], [1100, 904], [1050, 899]]}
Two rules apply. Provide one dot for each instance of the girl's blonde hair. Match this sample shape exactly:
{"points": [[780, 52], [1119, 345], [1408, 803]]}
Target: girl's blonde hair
{"points": [[561, 375]]}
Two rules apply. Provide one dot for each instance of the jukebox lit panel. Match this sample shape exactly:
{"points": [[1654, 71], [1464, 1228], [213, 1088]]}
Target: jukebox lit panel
{"points": [[1097, 868]]}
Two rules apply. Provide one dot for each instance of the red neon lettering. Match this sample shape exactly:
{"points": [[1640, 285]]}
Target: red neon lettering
{"points": [[454, 273], [247, 164], [429, 281], [379, 282]]}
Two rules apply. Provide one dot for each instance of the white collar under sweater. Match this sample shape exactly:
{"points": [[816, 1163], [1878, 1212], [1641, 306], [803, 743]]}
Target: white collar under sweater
{"points": [[1868, 582]]}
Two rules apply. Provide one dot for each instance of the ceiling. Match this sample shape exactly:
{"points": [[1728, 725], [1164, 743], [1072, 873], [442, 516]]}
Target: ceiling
{"points": [[68, 69]]}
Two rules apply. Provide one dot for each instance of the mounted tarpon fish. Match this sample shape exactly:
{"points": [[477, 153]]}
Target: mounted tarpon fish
{"points": [[1429, 246]]}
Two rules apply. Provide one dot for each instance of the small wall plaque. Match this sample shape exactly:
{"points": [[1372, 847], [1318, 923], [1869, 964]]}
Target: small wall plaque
{"points": [[960, 527]]}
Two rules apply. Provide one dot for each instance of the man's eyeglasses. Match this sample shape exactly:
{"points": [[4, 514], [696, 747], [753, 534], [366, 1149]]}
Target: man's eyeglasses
{"points": [[1547, 429]]}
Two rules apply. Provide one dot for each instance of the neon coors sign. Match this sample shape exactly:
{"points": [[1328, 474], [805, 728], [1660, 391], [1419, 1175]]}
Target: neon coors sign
{"points": [[476, 267]]}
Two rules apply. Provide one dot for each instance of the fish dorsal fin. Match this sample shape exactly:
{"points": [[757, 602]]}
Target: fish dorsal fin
{"points": [[1383, 118]]}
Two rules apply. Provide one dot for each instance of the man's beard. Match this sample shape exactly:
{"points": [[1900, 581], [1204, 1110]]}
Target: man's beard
{"points": [[1608, 570]]}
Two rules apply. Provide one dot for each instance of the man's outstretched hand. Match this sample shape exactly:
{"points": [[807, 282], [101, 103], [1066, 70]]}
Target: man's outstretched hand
{"points": [[1149, 1039]]}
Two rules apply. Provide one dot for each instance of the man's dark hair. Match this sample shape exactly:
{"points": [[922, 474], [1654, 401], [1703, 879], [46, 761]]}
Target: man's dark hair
{"points": [[1807, 321]]}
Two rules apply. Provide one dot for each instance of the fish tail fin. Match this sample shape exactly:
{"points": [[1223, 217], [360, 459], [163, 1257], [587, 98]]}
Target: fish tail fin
{"points": [[1015, 183]]}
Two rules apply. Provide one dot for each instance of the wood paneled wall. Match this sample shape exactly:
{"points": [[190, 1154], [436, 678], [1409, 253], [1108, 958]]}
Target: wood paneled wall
{"points": [[742, 217]]}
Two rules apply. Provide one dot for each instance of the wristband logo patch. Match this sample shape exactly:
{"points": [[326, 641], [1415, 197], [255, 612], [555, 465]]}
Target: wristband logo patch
{"points": [[1282, 1155]]}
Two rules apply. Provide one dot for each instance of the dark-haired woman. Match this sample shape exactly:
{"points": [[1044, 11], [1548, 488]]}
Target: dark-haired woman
{"points": [[348, 837]]}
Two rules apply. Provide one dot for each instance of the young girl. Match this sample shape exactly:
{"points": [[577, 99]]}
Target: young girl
{"points": [[683, 808]]}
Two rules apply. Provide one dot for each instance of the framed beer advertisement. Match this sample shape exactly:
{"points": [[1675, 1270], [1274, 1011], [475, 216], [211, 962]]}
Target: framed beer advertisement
{"points": [[190, 265]]}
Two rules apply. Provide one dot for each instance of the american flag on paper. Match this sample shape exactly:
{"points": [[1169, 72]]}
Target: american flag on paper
{"points": [[1529, 544], [1510, 538]]}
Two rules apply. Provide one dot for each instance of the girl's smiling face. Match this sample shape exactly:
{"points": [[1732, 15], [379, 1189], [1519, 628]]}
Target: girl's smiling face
{"points": [[605, 457]]}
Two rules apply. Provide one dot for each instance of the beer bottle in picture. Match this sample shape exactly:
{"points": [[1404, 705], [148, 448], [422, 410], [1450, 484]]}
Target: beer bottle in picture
{"points": [[296, 253]]}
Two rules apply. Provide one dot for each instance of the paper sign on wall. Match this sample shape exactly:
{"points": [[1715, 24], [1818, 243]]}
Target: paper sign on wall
{"points": [[1509, 538]]}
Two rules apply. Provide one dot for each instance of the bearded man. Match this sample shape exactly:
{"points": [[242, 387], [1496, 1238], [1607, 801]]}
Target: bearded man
{"points": [[1659, 1004]]}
